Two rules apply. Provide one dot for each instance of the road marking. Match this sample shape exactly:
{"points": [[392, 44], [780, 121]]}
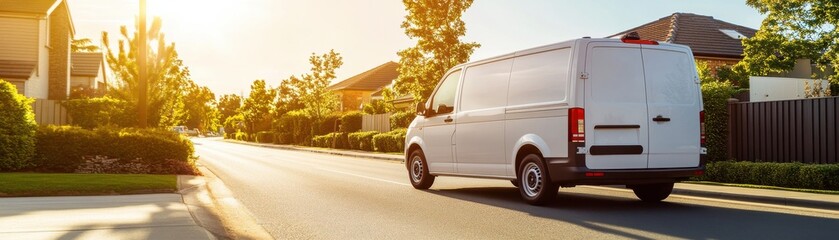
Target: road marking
{"points": [[754, 204], [362, 176]]}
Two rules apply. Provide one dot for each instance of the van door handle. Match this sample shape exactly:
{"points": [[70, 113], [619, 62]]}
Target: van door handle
{"points": [[659, 118], [448, 119]]}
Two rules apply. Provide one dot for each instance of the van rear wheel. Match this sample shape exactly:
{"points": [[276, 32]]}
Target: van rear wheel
{"points": [[535, 184], [652, 192], [418, 171]]}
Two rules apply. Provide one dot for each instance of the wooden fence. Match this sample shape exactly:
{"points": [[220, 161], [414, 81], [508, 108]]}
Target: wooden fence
{"points": [[49, 112], [804, 130], [377, 122]]}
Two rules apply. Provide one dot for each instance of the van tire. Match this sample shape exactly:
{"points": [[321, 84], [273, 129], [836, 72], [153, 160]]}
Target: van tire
{"points": [[418, 170], [535, 184], [652, 192]]}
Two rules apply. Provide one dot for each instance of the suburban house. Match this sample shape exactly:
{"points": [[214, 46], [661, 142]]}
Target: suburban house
{"points": [[35, 38], [357, 90], [714, 41], [87, 70]]}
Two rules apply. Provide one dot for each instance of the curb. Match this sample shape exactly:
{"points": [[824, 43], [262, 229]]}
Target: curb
{"points": [[795, 202], [785, 201], [345, 153]]}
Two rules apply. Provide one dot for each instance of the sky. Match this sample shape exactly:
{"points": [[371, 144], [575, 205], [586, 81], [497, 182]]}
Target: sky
{"points": [[228, 44]]}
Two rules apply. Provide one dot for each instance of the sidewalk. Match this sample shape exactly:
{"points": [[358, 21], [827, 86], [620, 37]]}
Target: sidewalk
{"points": [[768, 196], [147, 216]]}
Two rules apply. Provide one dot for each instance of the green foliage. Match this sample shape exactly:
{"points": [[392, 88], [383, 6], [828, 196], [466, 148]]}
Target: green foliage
{"points": [[791, 175], [401, 119], [319, 102], [228, 106], [257, 107], [393, 141], [351, 121], [715, 96], [361, 140], [83, 45], [298, 127], [327, 125], [241, 136], [704, 72], [265, 137], [377, 106], [200, 107], [792, 30], [232, 125], [90, 113], [738, 75], [437, 26], [339, 139], [61, 149], [17, 128]]}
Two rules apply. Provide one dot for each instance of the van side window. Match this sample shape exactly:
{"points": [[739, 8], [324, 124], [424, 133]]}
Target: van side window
{"points": [[485, 85], [540, 77], [443, 100]]}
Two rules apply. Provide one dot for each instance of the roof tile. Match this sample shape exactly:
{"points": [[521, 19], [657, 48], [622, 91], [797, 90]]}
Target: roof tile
{"points": [[371, 80]]}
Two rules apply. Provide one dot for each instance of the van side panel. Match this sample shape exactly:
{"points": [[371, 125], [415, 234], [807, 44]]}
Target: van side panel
{"points": [[479, 139], [538, 102]]}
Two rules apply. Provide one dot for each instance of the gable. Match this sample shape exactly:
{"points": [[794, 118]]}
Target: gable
{"points": [[370, 80]]}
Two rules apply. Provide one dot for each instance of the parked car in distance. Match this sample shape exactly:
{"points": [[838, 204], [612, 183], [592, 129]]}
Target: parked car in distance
{"points": [[179, 129], [581, 112]]}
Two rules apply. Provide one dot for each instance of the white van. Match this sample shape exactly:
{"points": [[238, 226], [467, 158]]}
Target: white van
{"points": [[582, 112]]}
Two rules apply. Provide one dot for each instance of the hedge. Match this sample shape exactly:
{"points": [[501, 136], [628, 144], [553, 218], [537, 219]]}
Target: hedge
{"points": [[401, 119], [361, 140], [393, 141], [325, 141], [297, 125], [17, 128], [351, 121], [265, 137], [62, 149], [97, 112], [790, 175], [715, 96]]}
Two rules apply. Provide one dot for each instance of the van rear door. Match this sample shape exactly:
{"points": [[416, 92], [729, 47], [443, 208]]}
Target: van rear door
{"points": [[616, 115], [673, 104]]}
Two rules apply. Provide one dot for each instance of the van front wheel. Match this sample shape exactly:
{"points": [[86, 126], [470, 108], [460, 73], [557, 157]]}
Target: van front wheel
{"points": [[652, 192], [418, 171], [535, 185]]}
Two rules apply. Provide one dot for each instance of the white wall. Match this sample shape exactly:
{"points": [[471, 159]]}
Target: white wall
{"points": [[763, 89], [38, 84]]}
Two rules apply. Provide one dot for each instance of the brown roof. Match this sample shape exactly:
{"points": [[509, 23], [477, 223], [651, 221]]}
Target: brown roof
{"points": [[701, 33], [86, 64], [16, 69], [27, 6], [371, 80]]}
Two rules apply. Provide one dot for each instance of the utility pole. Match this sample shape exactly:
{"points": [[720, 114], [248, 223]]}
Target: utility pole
{"points": [[142, 101]]}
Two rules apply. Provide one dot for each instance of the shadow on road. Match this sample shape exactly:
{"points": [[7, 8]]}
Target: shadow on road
{"points": [[622, 216]]}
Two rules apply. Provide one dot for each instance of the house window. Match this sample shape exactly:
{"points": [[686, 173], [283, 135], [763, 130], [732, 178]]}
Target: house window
{"points": [[733, 34]]}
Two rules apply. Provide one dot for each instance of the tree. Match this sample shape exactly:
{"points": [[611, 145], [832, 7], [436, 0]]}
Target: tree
{"points": [[288, 97], [257, 107], [83, 45], [17, 128], [166, 74], [319, 101], [228, 106], [437, 26], [794, 29], [200, 107]]}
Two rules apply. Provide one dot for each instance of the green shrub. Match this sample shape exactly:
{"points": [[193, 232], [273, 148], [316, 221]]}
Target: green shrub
{"points": [[351, 122], [393, 141], [232, 125], [791, 175], [97, 112], [283, 138], [297, 125], [327, 125], [361, 140], [265, 137], [241, 136], [62, 149], [715, 96], [17, 129], [326, 141], [401, 119]]}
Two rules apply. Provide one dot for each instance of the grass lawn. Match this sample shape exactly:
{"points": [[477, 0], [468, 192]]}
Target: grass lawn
{"points": [[60, 184]]}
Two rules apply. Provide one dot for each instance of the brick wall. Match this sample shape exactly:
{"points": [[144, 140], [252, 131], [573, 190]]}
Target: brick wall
{"points": [[59, 42], [714, 63], [351, 100]]}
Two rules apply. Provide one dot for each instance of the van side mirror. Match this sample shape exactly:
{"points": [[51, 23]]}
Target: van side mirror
{"points": [[420, 109], [444, 109]]}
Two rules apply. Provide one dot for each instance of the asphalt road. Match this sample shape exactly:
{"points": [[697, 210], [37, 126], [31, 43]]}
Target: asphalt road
{"points": [[303, 195]]}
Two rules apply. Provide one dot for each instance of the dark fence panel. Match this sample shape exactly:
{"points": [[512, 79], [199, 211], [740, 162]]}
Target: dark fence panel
{"points": [[804, 130]]}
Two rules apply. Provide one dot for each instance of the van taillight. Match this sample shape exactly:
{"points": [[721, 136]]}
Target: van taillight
{"points": [[702, 127], [576, 125]]}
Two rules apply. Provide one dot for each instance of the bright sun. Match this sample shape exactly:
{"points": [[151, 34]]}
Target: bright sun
{"points": [[198, 13]]}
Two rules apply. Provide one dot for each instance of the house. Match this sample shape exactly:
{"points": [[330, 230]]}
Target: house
{"points": [[714, 41], [35, 38], [357, 90], [87, 70]]}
